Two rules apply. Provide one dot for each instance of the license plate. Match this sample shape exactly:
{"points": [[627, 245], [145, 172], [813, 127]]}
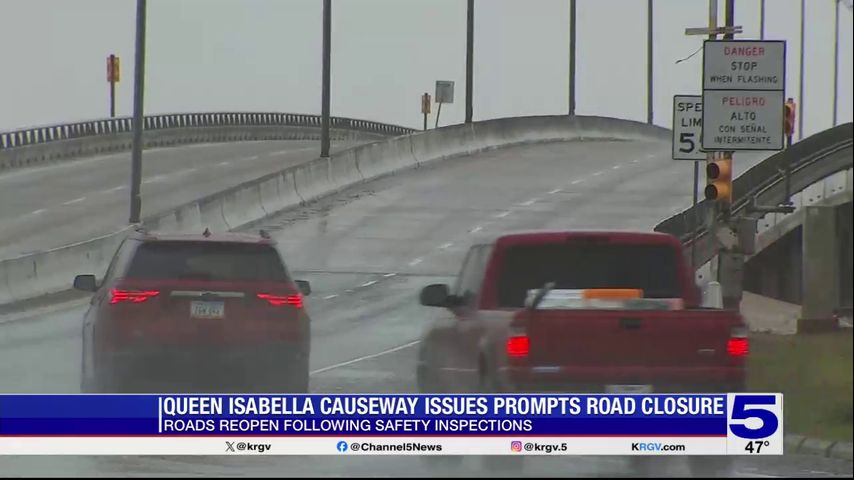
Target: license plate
{"points": [[628, 388], [207, 309]]}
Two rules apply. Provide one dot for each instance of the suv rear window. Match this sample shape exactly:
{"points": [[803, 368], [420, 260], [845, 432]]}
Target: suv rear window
{"points": [[207, 261], [652, 268]]}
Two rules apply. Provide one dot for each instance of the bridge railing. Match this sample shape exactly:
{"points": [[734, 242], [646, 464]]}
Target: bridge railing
{"points": [[111, 126], [806, 168]]}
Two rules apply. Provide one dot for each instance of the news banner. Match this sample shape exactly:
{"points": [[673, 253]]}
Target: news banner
{"points": [[424, 424]]}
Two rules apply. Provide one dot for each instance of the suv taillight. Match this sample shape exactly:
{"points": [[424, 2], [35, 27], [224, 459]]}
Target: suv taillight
{"points": [[279, 300], [738, 344], [131, 296], [518, 346]]}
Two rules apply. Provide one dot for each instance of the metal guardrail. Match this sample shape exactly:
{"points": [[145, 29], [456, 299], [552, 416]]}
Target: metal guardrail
{"points": [[112, 126], [803, 155]]}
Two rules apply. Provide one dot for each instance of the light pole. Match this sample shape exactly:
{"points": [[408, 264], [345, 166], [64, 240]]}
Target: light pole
{"points": [[801, 82], [761, 19], [649, 62], [138, 118], [469, 61], [571, 57], [835, 59], [327, 63]]}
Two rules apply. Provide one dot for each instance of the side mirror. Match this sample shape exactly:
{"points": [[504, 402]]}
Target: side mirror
{"points": [[436, 295], [304, 287], [87, 283]]}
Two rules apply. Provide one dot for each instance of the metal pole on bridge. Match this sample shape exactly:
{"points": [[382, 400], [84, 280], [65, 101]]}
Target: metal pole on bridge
{"points": [[469, 61], [649, 62], [801, 82], [835, 60], [761, 19], [138, 89], [327, 63], [571, 57]]}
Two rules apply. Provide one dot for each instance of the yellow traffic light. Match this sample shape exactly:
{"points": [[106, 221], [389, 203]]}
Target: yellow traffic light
{"points": [[719, 181]]}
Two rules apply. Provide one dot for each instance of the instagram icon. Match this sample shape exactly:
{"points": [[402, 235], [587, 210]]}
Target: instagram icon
{"points": [[516, 446]]}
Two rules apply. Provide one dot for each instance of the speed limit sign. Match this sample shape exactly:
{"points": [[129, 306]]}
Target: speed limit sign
{"points": [[687, 127]]}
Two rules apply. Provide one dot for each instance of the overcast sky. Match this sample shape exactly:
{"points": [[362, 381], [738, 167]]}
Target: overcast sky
{"points": [[264, 55]]}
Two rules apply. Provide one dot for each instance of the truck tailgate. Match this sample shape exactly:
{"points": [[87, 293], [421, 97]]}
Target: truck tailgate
{"points": [[618, 338]]}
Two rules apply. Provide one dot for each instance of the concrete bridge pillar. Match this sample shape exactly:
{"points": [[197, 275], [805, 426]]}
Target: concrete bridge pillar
{"points": [[846, 255], [820, 269], [791, 267]]}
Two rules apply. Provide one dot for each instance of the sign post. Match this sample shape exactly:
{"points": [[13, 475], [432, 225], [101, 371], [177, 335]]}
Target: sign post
{"points": [[687, 129], [113, 77], [444, 94], [425, 107], [744, 83]]}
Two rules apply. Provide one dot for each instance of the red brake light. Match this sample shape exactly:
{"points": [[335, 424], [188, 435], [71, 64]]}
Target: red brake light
{"points": [[279, 300], [518, 346], [738, 344], [132, 296], [738, 347]]}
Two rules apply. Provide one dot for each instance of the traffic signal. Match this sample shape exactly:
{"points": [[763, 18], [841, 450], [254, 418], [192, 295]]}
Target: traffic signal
{"points": [[789, 118], [719, 181]]}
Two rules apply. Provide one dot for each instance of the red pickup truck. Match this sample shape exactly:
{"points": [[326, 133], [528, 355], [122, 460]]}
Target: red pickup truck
{"points": [[580, 312]]}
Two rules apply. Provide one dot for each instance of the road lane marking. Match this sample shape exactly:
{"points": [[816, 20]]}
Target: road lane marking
{"points": [[155, 178], [168, 176], [368, 284], [76, 200], [502, 214], [222, 164], [597, 173], [476, 229], [366, 357], [552, 192], [114, 189], [530, 202], [416, 262], [290, 150], [36, 212], [616, 167], [446, 246], [387, 275], [330, 297], [37, 314], [576, 182]]}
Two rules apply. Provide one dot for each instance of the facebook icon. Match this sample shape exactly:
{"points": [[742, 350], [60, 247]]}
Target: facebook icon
{"points": [[342, 446]]}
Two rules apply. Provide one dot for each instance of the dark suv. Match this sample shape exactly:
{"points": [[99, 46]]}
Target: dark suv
{"points": [[192, 312]]}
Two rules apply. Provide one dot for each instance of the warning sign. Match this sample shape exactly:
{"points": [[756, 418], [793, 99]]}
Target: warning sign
{"points": [[744, 65], [743, 120], [744, 82]]}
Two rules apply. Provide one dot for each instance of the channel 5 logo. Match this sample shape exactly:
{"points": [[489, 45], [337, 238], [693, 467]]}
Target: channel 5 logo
{"points": [[754, 416]]}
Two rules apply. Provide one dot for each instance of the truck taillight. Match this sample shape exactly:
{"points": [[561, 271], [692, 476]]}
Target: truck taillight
{"points": [[738, 344], [518, 346], [279, 300], [131, 296]]}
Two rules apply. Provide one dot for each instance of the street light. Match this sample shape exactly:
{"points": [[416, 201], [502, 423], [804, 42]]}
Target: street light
{"points": [[138, 119]]}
